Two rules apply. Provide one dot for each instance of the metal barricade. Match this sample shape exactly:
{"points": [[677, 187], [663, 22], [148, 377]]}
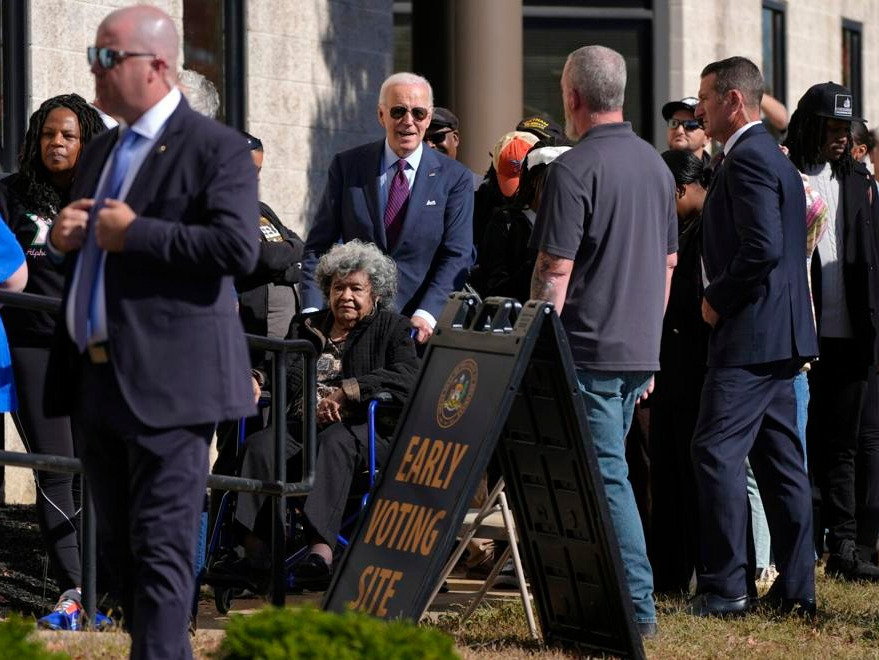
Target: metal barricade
{"points": [[278, 489]]}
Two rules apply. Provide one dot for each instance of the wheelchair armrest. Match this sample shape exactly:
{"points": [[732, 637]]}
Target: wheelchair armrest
{"points": [[384, 397]]}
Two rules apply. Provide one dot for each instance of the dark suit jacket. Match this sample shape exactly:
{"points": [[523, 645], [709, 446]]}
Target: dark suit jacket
{"points": [[860, 257], [434, 251], [754, 242], [175, 339]]}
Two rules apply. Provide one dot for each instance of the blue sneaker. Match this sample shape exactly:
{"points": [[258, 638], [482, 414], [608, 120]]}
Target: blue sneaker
{"points": [[67, 615], [103, 622]]}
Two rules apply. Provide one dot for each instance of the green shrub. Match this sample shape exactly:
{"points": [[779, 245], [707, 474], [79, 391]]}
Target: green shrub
{"points": [[16, 642], [279, 634]]}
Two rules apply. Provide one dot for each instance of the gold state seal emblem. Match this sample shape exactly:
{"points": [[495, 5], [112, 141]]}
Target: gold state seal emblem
{"points": [[457, 393]]}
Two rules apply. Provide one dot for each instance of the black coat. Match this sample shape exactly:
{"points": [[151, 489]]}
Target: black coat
{"points": [[379, 356], [505, 262], [860, 213], [684, 346]]}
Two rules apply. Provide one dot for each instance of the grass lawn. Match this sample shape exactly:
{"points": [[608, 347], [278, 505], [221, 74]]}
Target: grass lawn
{"points": [[847, 627]]}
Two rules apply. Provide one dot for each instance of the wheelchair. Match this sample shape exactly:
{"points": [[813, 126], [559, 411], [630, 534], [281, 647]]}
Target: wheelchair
{"points": [[220, 540]]}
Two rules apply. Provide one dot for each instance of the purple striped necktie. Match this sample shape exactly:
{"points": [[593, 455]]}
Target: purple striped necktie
{"points": [[398, 201]]}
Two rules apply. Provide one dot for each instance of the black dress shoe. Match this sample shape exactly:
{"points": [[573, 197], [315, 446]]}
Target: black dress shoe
{"points": [[777, 604], [846, 564], [312, 573], [708, 604]]}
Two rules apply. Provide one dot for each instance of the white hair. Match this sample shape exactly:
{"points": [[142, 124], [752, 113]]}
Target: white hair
{"points": [[353, 256], [405, 78], [598, 75], [200, 93]]}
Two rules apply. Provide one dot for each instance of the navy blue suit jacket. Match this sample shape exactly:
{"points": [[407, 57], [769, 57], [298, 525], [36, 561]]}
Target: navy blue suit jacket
{"points": [[175, 339], [434, 251], [754, 250]]}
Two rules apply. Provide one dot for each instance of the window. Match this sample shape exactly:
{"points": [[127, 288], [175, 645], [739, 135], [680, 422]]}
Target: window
{"points": [[14, 70], [214, 46], [852, 76], [554, 28], [774, 59], [402, 37], [548, 41]]}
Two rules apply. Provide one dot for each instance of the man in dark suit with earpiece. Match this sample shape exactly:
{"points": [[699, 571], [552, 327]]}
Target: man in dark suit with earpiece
{"points": [[757, 301], [151, 354]]}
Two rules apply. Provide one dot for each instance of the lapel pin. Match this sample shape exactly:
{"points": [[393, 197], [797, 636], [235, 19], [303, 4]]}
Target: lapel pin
{"points": [[431, 174], [431, 202], [162, 149]]}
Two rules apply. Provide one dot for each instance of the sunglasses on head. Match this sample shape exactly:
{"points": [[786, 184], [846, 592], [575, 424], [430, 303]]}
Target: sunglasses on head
{"points": [[688, 124], [107, 58], [418, 113]]}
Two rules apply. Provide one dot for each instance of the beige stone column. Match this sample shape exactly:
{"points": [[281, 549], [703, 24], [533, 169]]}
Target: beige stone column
{"points": [[487, 81]]}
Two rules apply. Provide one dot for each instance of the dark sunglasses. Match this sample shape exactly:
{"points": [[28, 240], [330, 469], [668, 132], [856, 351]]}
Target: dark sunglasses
{"points": [[437, 137], [418, 113], [107, 58], [688, 124]]}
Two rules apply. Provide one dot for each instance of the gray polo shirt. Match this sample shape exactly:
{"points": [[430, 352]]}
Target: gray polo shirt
{"points": [[609, 206]]}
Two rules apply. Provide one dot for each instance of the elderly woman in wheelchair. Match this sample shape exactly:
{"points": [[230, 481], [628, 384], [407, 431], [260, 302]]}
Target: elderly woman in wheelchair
{"points": [[363, 349]]}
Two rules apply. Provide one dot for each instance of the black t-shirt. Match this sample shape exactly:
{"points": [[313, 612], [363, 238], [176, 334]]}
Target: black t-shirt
{"points": [[609, 206], [25, 327]]}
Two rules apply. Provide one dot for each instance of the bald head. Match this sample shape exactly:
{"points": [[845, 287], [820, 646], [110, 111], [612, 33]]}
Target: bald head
{"points": [[144, 68], [150, 30]]}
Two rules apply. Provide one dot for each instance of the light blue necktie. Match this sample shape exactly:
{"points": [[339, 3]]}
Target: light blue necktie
{"points": [[90, 254]]}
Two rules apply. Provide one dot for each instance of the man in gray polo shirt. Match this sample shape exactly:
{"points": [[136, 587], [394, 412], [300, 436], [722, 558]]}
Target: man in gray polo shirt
{"points": [[607, 234]]}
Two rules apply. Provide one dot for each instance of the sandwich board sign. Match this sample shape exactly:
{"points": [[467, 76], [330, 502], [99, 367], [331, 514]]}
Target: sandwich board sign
{"points": [[496, 377]]}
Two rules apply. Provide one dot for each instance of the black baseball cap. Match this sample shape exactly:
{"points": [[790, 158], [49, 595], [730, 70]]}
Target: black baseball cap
{"points": [[688, 103], [548, 131], [442, 118], [829, 100]]}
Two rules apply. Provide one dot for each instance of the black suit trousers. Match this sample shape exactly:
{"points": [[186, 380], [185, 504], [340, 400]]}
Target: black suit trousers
{"points": [[837, 391], [148, 488], [342, 451], [751, 412]]}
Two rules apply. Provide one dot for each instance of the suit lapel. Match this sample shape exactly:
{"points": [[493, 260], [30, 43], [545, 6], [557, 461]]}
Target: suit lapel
{"points": [[89, 174], [751, 132], [425, 182], [160, 158], [371, 192]]}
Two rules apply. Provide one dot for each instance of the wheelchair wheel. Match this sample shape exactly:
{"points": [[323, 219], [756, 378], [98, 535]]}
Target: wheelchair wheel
{"points": [[223, 599]]}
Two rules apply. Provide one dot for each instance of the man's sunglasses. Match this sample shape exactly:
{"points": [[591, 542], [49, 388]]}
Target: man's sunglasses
{"points": [[418, 113], [437, 137], [107, 58], [688, 124]]}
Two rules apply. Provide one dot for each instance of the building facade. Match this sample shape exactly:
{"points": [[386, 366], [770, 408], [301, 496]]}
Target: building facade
{"points": [[304, 75]]}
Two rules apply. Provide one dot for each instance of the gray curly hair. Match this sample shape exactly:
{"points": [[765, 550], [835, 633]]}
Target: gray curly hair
{"points": [[350, 257]]}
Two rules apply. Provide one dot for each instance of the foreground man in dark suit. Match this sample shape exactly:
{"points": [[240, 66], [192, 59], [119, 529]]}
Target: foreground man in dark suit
{"points": [[757, 302], [164, 216], [414, 203]]}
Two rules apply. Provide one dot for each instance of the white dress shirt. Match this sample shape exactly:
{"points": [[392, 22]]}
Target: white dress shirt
{"points": [[150, 126], [730, 143]]}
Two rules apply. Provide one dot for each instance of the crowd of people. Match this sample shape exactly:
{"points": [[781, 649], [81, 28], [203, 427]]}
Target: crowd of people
{"points": [[719, 299]]}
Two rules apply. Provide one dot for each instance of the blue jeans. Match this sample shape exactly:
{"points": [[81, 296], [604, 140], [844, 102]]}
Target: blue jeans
{"points": [[759, 524], [610, 398], [801, 391]]}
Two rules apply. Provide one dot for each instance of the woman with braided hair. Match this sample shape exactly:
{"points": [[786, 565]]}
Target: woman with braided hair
{"points": [[29, 200]]}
